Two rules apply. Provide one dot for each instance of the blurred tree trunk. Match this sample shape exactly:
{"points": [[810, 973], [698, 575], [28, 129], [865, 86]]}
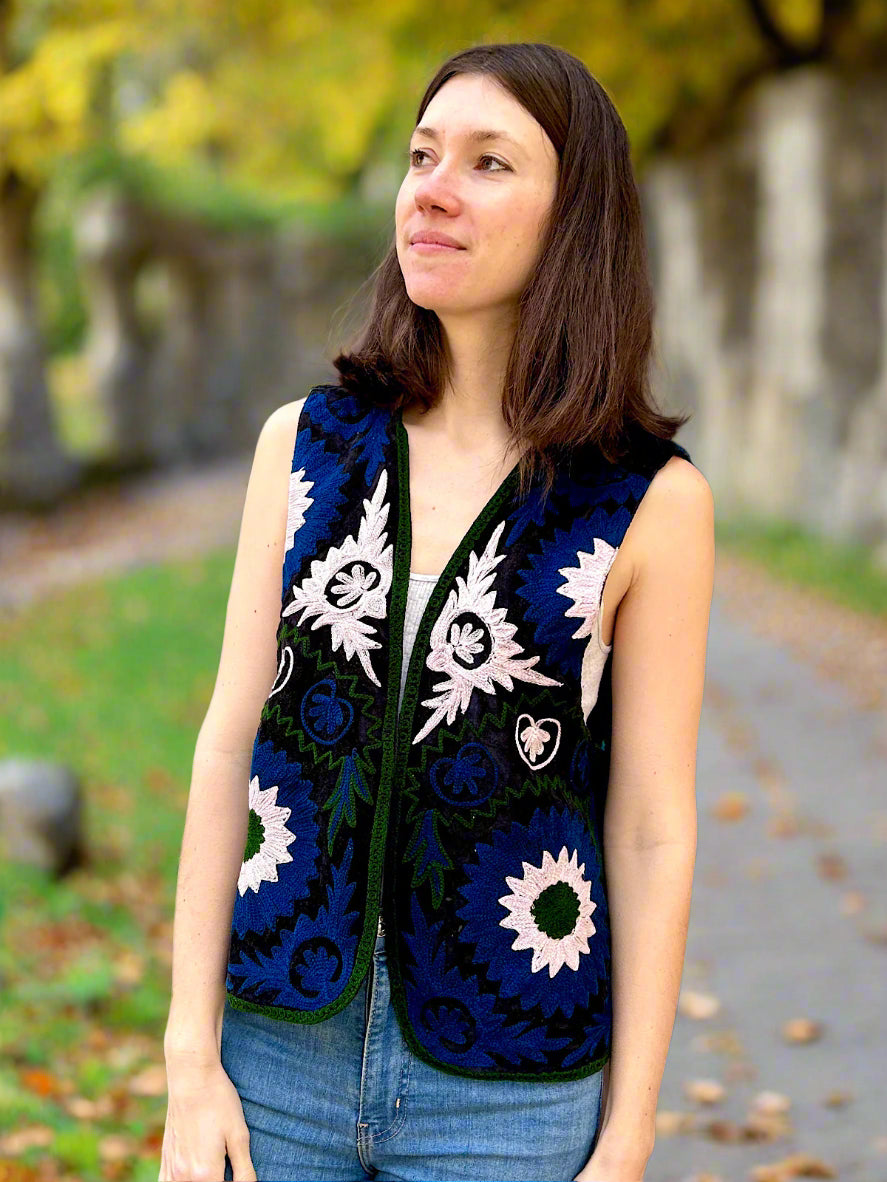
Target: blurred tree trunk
{"points": [[33, 468]]}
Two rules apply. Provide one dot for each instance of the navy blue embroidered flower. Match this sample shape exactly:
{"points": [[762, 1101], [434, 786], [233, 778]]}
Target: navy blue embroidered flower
{"points": [[312, 965], [326, 716], [534, 906], [466, 780], [281, 850], [452, 1012]]}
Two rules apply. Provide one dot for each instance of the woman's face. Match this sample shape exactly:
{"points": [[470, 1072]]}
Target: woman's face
{"points": [[491, 196]]}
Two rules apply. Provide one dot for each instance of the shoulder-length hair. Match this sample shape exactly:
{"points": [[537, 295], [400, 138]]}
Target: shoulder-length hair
{"points": [[578, 370]]}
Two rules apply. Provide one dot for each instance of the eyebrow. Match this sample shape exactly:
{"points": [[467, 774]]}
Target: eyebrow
{"points": [[479, 136]]}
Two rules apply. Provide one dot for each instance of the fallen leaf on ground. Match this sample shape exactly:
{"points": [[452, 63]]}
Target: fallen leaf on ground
{"points": [[41, 1082], [669, 1123], [783, 825], [769, 1102], [837, 1099], [797, 1165], [802, 1030], [698, 1005], [21, 1139], [831, 866], [853, 902], [129, 968], [117, 1147], [731, 806], [727, 1132], [149, 1082], [704, 1091], [85, 1109], [766, 1126]]}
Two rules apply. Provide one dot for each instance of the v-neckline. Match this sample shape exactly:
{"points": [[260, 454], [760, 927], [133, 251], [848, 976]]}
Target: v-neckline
{"points": [[400, 719], [504, 488], [399, 714]]}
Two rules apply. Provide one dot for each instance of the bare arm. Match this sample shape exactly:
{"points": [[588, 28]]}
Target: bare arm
{"points": [[216, 818], [658, 675]]}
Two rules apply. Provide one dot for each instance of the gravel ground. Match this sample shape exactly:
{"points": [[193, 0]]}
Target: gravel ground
{"points": [[147, 520]]}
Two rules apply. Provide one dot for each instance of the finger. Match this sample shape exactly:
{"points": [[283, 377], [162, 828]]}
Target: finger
{"points": [[242, 1166]]}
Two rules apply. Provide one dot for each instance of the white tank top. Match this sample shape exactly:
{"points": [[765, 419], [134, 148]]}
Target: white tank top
{"points": [[418, 594]]}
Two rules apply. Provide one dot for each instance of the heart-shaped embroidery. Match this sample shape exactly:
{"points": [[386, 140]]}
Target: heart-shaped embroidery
{"points": [[533, 738]]}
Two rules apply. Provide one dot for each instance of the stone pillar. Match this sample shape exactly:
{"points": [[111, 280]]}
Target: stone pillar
{"points": [[112, 249], [34, 469], [793, 425]]}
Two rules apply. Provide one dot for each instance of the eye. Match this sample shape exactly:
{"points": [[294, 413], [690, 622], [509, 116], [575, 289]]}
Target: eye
{"points": [[415, 152]]}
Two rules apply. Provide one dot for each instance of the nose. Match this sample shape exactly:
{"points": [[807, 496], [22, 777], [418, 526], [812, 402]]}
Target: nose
{"points": [[436, 190]]}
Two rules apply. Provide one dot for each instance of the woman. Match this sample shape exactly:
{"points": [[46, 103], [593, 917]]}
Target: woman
{"points": [[438, 1044]]}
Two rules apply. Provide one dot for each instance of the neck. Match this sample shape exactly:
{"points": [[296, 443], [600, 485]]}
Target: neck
{"points": [[469, 412]]}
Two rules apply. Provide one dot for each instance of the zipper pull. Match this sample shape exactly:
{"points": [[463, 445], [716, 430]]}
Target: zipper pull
{"points": [[381, 928]]}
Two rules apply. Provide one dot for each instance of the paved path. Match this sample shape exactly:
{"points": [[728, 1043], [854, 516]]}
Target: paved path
{"points": [[789, 916], [789, 920]]}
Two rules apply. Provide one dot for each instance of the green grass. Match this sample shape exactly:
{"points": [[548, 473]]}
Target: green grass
{"points": [[843, 572], [112, 678]]}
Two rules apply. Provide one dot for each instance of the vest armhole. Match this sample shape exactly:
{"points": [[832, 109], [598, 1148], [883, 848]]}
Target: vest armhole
{"points": [[292, 501], [604, 648], [672, 449]]}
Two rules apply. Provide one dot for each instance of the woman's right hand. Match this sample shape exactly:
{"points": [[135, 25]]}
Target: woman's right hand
{"points": [[204, 1121]]}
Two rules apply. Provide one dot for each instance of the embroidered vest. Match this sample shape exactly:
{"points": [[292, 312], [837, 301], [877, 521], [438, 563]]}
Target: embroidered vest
{"points": [[483, 801]]}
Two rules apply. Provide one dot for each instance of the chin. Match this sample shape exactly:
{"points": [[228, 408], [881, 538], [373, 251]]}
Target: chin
{"points": [[432, 298]]}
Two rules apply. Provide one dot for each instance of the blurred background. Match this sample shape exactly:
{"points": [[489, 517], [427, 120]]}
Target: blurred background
{"points": [[192, 197]]}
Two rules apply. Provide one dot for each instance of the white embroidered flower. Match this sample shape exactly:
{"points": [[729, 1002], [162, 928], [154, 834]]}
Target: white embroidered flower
{"points": [[267, 831], [584, 585], [350, 584], [534, 737], [550, 909], [297, 504], [465, 641], [477, 651]]}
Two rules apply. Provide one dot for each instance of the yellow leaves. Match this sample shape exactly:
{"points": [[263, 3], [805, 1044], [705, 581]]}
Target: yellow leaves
{"points": [[799, 20], [191, 112], [46, 102]]}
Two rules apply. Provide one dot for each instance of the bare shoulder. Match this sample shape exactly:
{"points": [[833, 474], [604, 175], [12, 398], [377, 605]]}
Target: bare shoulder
{"points": [[285, 418], [675, 516]]}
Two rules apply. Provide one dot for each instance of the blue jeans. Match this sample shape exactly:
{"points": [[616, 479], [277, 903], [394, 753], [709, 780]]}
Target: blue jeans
{"points": [[347, 1100]]}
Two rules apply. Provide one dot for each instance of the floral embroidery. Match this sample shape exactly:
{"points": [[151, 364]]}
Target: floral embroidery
{"points": [[532, 738], [471, 642], [584, 585], [267, 838], [488, 823], [549, 905], [297, 505], [351, 583], [551, 910]]}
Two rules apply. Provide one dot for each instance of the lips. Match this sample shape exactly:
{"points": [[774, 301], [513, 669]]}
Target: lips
{"points": [[435, 238]]}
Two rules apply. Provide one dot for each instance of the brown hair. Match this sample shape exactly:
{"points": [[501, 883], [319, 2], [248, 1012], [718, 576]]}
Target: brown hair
{"points": [[578, 369]]}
